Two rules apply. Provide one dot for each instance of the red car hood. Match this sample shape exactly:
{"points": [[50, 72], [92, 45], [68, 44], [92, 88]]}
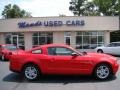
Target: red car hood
{"points": [[100, 55]]}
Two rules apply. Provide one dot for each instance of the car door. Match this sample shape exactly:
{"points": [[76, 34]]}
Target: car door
{"points": [[62, 62], [116, 48], [110, 48]]}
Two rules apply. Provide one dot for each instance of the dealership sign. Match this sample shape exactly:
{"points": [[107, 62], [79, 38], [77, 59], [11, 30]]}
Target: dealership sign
{"points": [[52, 23]]}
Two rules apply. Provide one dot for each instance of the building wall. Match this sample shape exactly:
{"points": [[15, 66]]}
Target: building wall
{"points": [[58, 37], [91, 23], [28, 40], [73, 39], [2, 39], [107, 37]]}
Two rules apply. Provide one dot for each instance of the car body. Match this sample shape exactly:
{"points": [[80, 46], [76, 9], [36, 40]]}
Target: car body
{"points": [[113, 48], [62, 60], [5, 50]]}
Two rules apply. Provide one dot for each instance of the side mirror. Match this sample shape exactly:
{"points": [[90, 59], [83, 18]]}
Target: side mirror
{"points": [[74, 54], [84, 53]]}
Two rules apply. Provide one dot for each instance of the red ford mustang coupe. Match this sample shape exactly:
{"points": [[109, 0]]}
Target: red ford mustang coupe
{"points": [[62, 60]]}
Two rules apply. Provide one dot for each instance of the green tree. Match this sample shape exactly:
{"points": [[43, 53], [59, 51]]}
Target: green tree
{"points": [[95, 7], [107, 7], [83, 8], [13, 11]]}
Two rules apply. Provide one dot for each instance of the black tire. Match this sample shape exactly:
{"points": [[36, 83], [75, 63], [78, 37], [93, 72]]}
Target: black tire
{"points": [[103, 72], [3, 57], [99, 51], [0, 57], [31, 75]]}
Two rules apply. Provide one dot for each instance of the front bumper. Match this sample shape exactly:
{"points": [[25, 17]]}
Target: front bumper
{"points": [[115, 68]]}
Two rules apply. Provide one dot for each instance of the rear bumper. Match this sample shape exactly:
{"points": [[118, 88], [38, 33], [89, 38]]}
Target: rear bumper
{"points": [[14, 67], [13, 70]]}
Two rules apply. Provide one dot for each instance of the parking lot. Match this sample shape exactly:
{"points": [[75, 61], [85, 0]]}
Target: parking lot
{"points": [[13, 81]]}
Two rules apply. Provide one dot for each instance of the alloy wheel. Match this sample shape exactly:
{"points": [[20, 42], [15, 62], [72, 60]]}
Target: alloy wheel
{"points": [[31, 72], [103, 71], [100, 51]]}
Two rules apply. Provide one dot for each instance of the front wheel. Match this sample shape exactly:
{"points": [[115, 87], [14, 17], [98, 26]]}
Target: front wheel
{"points": [[99, 51], [3, 57], [103, 71], [31, 72]]}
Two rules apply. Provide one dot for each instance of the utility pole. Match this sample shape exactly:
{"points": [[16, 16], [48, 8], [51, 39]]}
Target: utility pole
{"points": [[119, 21]]}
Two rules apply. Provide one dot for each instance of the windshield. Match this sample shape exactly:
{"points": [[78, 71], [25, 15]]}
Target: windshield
{"points": [[76, 51], [10, 47]]}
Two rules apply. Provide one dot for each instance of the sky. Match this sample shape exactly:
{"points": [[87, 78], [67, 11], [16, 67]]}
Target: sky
{"points": [[40, 8]]}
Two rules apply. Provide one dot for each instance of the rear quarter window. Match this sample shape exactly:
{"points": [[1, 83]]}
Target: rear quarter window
{"points": [[38, 51]]}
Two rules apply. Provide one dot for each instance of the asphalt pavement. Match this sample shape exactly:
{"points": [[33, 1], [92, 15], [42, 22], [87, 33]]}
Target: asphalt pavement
{"points": [[13, 81]]}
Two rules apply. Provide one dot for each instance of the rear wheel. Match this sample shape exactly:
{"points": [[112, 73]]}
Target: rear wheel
{"points": [[31, 72], [100, 51], [103, 71], [3, 57]]}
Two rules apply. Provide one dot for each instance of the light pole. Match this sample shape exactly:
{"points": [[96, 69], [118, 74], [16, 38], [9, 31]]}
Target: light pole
{"points": [[119, 21]]}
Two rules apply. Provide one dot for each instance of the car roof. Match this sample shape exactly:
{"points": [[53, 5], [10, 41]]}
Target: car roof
{"points": [[115, 42], [52, 45], [47, 45]]}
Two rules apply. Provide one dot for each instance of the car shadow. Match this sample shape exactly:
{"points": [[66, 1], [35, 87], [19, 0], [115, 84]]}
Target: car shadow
{"points": [[4, 60], [14, 77]]}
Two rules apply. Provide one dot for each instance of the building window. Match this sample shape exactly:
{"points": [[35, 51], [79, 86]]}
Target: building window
{"points": [[16, 39], [67, 37], [40, 38], [89, 40]]}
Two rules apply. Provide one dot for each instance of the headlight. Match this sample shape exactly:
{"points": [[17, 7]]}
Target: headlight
{"points": [[114, 58]]}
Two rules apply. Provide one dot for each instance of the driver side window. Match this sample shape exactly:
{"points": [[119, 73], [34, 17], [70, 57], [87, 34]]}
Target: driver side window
{"points": [[59, 51]]}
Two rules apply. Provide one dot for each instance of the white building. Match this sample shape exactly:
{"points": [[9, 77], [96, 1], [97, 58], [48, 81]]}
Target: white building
{"points": [[79, 32]]}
